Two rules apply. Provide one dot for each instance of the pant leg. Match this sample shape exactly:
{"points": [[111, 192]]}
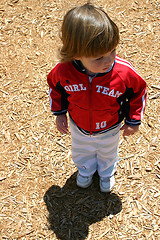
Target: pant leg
{"points": [[83, 151], [107, 154]]}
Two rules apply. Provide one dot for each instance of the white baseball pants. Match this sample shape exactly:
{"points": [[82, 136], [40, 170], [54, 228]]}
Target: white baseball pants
{"points": [[95, 152]]}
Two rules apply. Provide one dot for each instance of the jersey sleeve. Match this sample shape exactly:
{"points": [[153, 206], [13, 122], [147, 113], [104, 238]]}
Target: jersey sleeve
{"points": [[57, 94], [136, 97]]}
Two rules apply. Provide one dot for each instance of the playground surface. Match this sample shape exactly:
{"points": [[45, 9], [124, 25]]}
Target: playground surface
{"points": [[39, 198]]}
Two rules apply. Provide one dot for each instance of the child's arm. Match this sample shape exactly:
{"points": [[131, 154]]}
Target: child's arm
{"points": [[135, 96], [136, 92], [129, 130], [62, 123], [58, 101]]}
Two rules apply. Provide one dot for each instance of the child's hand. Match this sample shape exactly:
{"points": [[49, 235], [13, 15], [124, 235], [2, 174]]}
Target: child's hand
{"points": [[129, 130], [62, 123]]}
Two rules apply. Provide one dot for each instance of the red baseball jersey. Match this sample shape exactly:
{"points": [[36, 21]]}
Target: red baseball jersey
{"points": [[97, 103]]}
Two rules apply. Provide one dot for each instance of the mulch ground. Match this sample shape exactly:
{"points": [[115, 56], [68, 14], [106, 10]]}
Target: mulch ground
{"points": [[39, 197]]}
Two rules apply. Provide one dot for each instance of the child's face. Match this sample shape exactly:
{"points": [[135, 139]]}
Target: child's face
{"points": [[98, 64]]}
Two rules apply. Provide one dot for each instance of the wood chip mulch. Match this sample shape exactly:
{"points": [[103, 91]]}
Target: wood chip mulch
{"points": [[39, 198]]}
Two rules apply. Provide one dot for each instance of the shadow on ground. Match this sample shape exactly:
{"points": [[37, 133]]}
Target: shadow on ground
{"points": [[72, 210]]}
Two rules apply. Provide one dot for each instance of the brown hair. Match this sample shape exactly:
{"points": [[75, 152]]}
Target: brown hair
{"points": [[87, 31]]}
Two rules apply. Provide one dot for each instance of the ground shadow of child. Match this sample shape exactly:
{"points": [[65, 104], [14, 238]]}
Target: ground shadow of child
{"points": [[72, 210]]}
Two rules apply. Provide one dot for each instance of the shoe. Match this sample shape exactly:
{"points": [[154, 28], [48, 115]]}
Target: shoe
{"points": [[107, 184], [84, 181]]}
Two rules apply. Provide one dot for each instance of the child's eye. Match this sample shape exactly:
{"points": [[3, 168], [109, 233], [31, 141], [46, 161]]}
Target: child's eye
{"points": [[99, 58]]}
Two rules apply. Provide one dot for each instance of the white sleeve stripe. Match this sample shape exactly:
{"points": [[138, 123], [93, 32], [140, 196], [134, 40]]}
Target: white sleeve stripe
{"points": [[143, 107], [50, 90], [126, 64], [123, 60]]}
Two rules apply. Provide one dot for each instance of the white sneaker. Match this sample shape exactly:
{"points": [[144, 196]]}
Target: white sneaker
{"points": [[83, 181], [107, 184]]}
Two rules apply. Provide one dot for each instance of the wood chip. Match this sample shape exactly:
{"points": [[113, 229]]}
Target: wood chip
{"points": [[134, 177]]}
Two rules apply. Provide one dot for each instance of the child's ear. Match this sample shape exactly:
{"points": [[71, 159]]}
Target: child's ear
{"points": [[77, 58]]}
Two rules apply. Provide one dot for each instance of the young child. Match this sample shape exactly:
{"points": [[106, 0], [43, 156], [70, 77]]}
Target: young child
{"points": [[98, 89]]}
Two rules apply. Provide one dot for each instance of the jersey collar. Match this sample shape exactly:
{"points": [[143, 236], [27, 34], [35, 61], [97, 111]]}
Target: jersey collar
{"points": [[79, 66]]}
